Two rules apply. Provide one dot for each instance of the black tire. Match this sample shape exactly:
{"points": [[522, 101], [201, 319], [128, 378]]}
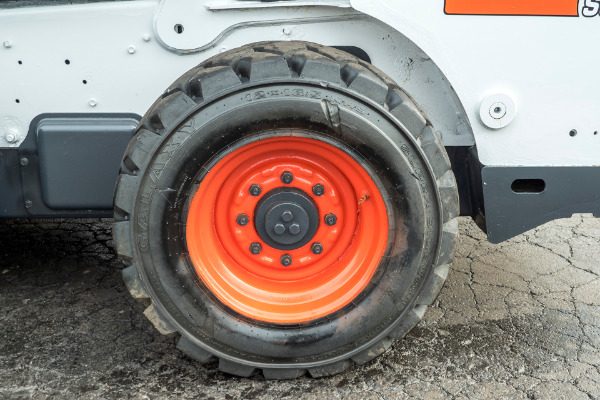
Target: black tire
{"points": [[238, 97]]}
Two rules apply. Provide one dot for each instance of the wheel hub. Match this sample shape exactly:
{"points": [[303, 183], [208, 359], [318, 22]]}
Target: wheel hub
{"points": [[279, 229], [286, 218]]}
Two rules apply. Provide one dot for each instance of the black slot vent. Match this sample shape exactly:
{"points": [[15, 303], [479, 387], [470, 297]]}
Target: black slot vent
{"points": [[528, 186]]}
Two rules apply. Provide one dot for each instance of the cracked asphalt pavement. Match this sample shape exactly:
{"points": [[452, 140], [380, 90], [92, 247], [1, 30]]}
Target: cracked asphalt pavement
{"points": [[515, 320]]}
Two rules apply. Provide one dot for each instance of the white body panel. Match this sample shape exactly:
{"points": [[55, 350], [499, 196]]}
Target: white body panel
{"points": [[544, 63], [128, 53]]}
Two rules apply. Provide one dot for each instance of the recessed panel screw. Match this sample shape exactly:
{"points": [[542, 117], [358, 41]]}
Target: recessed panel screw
{"points": [[242, 219], [287, 177], [8, 44], [286, 260], [255, 248], [255, 190], [24, 161], [93, 103], [330, 219], [318, 190], [147, 37], [28, 204], [131, 49], [316, 248]]}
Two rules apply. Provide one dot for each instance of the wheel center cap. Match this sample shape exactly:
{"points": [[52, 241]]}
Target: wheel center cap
{"points": [[286, 218]]}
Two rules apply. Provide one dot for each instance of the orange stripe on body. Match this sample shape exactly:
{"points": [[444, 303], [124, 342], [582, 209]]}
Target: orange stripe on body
{"points": [[512, 7]]}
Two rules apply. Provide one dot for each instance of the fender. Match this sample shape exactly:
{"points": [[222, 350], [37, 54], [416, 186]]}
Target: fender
{"points": [[535, 60]]}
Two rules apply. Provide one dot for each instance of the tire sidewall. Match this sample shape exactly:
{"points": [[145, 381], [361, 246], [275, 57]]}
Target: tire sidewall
{"points": [[216, 128]]}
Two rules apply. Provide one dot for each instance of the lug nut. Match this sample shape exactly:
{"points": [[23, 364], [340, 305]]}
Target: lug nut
{"points": [[286, 260], [287, 177], [242, 219], [318, 190], [316, 248], [255, 190], [330, 219], [255, 248]]}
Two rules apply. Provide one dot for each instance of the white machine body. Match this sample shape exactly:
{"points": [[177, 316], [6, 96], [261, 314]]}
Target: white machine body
{"points": [[516, 85]]}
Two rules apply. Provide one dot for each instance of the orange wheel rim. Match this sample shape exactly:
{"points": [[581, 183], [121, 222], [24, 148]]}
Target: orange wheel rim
{"points": [[255, 282]]}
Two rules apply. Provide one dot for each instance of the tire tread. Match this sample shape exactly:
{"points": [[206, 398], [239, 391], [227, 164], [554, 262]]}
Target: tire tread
{"points": [[309, 62]]}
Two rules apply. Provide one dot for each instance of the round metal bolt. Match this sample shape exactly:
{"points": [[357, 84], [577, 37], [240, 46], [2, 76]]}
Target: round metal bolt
{"points": [[255, 248], [573, 132], [318, 190], [497, 110], [242, 219], [279, 229], [147, 37], [24, 161], [28, 204], [8, 44], [255, 190], [286, 260], [287, 216], [287, 31], [131, 49], [93, 103], [287, 177], [330, 219], [11, 137], [294, 229], [317, 248]]}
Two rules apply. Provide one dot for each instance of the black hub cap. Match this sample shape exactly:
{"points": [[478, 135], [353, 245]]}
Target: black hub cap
{"points": [[286, 218]]}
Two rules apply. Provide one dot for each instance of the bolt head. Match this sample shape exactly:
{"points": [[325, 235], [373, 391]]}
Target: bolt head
{"points": [[287, 216], [11, 137], [93, 103], [24, 161], [318, 190], [28, 204], [279, 229], [131, 49], [294, 229], [255, 190], [8, 44], [316, 248], [255, 248], [147, 37], [287, 31], [286, 260], [287, 177], [330, 219], [242, 219]]}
